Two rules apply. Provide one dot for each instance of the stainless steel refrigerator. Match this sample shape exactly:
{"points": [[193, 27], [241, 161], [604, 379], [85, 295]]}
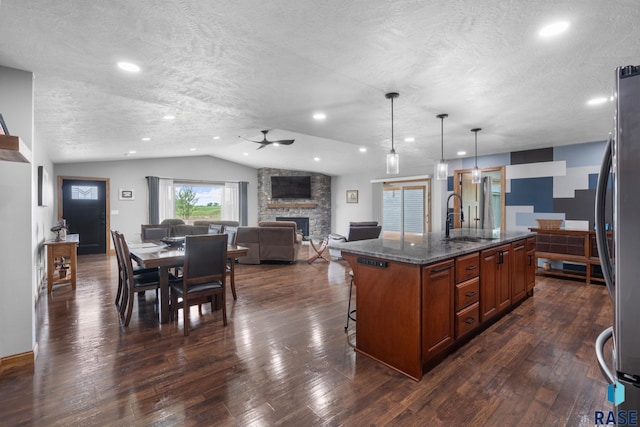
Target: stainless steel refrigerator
{"points": [[620, 262]]}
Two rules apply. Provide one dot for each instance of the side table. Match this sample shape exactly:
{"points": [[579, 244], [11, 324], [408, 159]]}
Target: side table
{"points": [[319, 250], [62, 257]]}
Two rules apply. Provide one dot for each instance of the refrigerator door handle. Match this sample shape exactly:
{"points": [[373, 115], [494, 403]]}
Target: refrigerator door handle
{"points": [[601, 233], [600, 342]]}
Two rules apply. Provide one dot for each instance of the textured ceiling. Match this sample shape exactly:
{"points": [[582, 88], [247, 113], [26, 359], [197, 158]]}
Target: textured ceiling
{"points": [[230, 68]]}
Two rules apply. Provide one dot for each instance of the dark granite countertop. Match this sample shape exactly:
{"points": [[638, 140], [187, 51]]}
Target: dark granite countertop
{"points": [[433, 246]]}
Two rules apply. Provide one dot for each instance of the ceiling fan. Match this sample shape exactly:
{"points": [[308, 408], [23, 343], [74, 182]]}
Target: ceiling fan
{"points": [[266, 142]]}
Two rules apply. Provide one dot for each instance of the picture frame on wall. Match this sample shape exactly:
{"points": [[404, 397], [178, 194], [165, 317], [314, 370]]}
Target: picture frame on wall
{"points": [[43, 186], [352, 196], [126, 194]]}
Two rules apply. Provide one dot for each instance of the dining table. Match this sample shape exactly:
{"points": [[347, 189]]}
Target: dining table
{"points": [[158, 254]]}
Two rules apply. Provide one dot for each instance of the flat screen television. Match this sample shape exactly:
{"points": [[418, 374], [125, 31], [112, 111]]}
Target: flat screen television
{"points": [[291, 187]]}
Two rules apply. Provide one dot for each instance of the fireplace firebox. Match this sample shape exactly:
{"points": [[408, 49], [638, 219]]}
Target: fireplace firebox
{"points": [[301, 222]]}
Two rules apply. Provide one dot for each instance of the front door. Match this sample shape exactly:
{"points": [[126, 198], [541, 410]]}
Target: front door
{"points": [[84, 206]]}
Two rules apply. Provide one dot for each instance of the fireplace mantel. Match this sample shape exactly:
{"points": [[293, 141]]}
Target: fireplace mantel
{"points": [[292, 205]]}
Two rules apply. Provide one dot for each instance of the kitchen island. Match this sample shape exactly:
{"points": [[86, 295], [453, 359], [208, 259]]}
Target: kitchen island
{"points": [[419, 301]]}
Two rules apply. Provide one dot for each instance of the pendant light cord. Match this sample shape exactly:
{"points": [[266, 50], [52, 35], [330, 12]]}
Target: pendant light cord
{"points": [[476, 132], [441, 138], [392, 149]]}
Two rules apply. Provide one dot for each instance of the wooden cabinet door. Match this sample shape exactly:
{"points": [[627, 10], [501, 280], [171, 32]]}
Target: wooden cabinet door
{"points": [[503, 276], [519, 276], [488, 283], [438, 310]]}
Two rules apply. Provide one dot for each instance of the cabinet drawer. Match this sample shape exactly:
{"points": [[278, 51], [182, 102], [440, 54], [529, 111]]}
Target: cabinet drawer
{"points": [[467, 293], [467, 267], [467, 320], [58, 251]]}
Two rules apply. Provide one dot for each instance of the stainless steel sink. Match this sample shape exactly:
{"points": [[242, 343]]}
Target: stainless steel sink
{"points": [[469, 239]]}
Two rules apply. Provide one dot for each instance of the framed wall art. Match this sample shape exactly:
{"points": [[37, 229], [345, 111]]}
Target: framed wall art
{"points": [[126, 194], [352, 196]]}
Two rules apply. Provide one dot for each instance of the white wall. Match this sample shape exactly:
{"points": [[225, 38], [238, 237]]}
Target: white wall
{"points": [[342, 212], [130, 174], [17, 220]]}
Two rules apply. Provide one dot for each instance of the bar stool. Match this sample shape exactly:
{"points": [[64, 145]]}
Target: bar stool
{"points": [[350, 313]]}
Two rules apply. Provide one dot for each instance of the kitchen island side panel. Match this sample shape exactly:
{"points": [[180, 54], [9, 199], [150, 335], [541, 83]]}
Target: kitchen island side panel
{"points": [[388, 300]]}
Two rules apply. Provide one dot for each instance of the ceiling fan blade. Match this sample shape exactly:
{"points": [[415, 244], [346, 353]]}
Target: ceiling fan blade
{"points": [[261, 147], [250, 140], [285, 141]]}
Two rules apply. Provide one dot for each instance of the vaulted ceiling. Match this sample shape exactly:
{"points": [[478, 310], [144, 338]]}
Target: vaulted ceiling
{"points": [[232, 68]]}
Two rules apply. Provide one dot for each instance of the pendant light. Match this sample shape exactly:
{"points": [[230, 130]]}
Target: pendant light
{"points": [[475, 173], [393, 166], [442, 167]]}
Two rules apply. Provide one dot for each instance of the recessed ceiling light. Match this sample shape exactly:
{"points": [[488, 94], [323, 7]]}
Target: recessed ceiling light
{"points": [[319, 116], [245, 154], [146, 138], [169, 117], [409, 139], [132, 152], [128, 66], [597, 101], [461, 153], [216, 137], [363, 149], [316, 159], [554, 29], [192, 149]]}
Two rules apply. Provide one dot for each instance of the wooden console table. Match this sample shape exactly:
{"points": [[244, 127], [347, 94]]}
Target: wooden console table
{"points": [[62, 257], [573, 246]]}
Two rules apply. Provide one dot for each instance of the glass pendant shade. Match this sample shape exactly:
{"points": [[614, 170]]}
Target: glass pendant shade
{"points": [[393, 163], [393, 160], [476, 175], [442, 169]]}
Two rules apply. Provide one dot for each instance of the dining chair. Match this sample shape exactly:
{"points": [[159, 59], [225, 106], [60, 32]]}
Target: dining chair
{"points": [[231, 232], [215, 229], [134, 282], [149, 232], [203, 277], [137, 270]]}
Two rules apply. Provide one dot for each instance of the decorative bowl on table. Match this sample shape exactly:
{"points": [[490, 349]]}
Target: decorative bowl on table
{"points": [[174, 242]]}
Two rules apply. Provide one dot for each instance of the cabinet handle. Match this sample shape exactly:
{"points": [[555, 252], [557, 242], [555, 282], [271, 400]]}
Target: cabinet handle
{"points": [[472, 267], [500, 257], [470, 320], [438, 270], [471, 294], [530, 259]]}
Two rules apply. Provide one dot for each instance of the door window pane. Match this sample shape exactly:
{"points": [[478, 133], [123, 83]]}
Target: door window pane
{"points": [[84, 192]]}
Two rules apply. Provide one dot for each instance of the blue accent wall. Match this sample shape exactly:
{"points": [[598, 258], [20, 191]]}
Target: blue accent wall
{"points": [[450, 183], [536, 192], [577, 155]]}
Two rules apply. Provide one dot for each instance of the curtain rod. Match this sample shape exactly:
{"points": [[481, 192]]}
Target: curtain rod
{"points": [[195, 180]]}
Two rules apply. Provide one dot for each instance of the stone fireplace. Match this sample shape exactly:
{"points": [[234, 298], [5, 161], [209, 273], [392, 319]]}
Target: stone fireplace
{"points": [[317, 209]]}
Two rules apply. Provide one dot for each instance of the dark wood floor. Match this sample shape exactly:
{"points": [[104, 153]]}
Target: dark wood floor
{"points": [[284, 359]]}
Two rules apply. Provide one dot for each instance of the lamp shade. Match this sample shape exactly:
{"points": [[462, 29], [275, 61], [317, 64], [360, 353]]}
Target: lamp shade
{"points": [[442, 170], [476, 175], [393, 163]]}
